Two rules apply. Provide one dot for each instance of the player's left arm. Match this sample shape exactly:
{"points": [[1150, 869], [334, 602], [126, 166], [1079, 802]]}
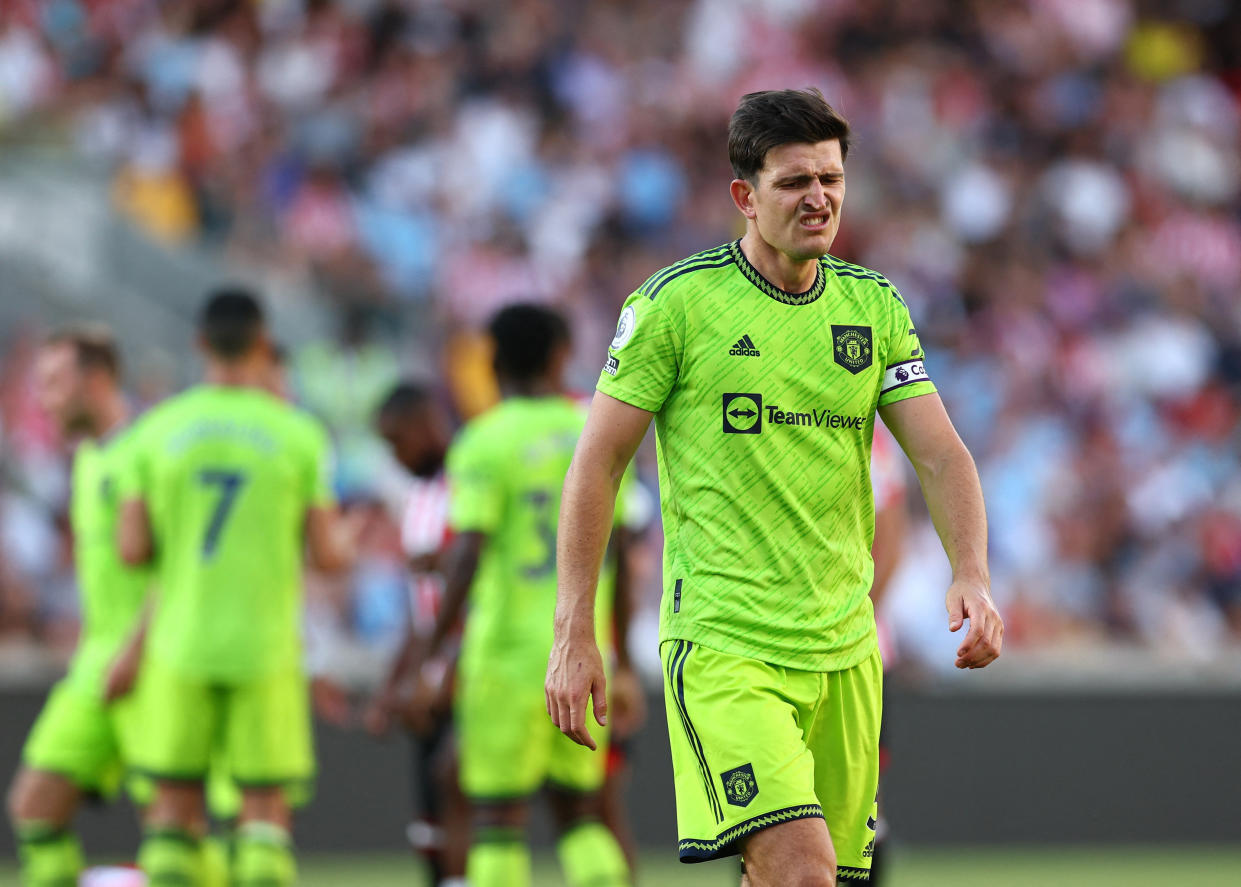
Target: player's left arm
{"points": [[460, 566], [953, 494], [134, 537], [431, 679], [123, 671]]}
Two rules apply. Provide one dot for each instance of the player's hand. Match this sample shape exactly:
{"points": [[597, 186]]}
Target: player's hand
{"points": [[419, 710], [574, 676], [330, 701], [628, 702], [122, 674], [377, 719], [428, 562], [972, 601]]}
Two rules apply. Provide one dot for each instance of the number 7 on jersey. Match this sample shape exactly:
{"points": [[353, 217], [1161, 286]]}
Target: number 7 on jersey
{"points": [[229, 484]]}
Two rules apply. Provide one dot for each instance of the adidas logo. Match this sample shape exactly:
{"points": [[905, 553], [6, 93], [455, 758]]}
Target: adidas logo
{"points": [[745, 347]]}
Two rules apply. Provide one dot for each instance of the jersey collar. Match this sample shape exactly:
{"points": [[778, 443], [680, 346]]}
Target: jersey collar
{"points": [[752, 274]]}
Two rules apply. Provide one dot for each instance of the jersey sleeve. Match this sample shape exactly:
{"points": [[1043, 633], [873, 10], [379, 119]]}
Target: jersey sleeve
{"points": [[904, 374], [645, 354], [475, 486]]}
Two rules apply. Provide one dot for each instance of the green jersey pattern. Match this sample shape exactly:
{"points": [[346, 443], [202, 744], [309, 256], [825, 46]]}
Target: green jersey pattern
{"points": [[111, 592], [228, 475], [505, 473], [765, 404]]}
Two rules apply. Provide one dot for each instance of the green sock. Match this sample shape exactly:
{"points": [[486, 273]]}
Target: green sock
{"points": [[498, 857], [171, 857], [264, 856], [215, 852], [590, 857], [50, 855]]}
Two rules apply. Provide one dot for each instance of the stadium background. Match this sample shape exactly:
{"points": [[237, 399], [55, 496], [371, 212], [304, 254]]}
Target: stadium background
{"points": [[1055, 187]]}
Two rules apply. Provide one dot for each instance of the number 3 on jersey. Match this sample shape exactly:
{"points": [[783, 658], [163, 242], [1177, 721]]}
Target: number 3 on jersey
{"points": [[228, 485], [545, 526]]}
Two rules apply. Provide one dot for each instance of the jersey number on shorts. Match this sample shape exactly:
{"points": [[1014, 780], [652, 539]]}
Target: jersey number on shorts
{"points": [[545, 526], [229, 484]]}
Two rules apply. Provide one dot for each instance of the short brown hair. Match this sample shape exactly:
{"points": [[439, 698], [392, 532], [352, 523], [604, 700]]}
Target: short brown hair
{"points": [[94, 346], [766, 120]]}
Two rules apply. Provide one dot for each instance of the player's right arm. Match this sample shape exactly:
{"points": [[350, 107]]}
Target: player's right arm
{"points": [[460, 566], [575, 668], [643, 364], [135, 537], [478, 491], [331, 540]]}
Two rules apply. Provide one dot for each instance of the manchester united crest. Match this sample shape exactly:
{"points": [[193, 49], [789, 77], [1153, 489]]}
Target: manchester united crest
{"points": [[740, 786], [852, 347]]}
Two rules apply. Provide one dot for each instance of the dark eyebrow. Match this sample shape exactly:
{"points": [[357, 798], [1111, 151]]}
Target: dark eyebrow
{"points": [[805, 177]]}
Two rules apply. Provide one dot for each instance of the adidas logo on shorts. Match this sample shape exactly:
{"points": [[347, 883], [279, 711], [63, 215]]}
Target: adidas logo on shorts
{"points": [[745, 347]]}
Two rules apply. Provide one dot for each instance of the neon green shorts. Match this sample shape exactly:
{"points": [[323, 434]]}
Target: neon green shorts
{"points": [[509, 746], [80, 738], [223, 795], [755, 745], [259, 730]]}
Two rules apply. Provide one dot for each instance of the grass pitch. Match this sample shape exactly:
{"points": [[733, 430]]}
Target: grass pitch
{"points": [[1211, 866], [1201, 866]]}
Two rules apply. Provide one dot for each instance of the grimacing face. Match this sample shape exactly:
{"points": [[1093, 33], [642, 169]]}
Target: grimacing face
{"points": [[797, 199], [61, 387]]}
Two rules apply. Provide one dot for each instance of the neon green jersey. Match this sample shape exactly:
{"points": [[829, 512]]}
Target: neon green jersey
{"points": [[228, 475], [765, 405], [505, 474], [111, 592]]}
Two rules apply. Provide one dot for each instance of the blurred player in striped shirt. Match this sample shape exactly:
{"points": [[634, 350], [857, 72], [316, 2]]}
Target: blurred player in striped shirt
{"points": [[418, 430], [887, 478]]}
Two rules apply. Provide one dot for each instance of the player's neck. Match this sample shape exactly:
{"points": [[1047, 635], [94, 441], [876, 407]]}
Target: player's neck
{"points": [[235, 374], [109, 416], [790, 275], [535, 388]]}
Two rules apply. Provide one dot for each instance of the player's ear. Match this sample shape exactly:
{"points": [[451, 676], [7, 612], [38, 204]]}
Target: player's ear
{"points": [[743, 197]]}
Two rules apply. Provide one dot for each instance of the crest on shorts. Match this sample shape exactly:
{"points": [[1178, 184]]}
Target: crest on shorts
{"points": [[852, 347], [740, 786]]}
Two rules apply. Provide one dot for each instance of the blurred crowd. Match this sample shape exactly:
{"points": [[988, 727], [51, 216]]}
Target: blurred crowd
{"points": [[1054, 186]]}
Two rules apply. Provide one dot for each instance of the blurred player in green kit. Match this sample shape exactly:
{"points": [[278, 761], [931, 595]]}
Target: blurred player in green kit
{"points": [[80, 743], [505, 473], [227, 488]]}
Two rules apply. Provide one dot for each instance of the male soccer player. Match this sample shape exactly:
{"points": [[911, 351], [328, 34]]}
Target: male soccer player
{"points": [[417, 431], [228, 486], [505, 474], [763, 362], [79, 743]]}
